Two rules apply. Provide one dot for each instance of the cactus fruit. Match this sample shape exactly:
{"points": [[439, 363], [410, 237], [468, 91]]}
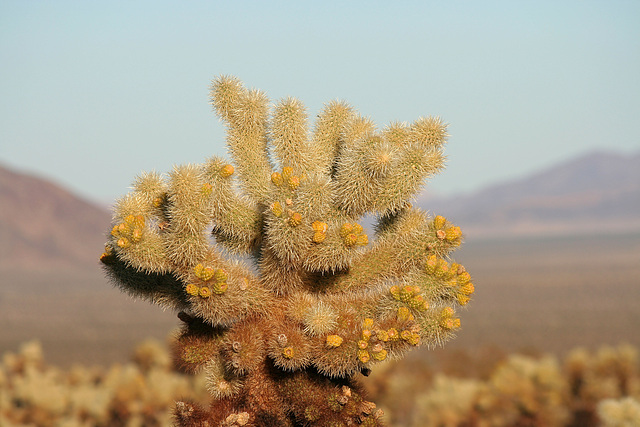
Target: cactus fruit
{"points": [[281, 341]]}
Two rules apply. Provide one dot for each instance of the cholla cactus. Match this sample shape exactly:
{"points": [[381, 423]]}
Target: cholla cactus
{"points": [[281, 341]]}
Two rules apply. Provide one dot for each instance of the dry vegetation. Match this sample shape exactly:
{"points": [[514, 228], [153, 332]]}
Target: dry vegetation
{"points": [[584, 389]]}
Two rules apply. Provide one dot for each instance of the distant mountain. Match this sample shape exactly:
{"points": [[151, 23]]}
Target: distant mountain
{"points": [[44, 225], [594, 193]]}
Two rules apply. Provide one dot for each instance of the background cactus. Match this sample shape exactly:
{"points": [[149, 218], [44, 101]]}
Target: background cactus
{"points": [[281, 340]]}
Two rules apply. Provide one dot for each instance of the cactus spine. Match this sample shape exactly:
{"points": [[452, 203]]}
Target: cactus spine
{"points": [[281, 341]]}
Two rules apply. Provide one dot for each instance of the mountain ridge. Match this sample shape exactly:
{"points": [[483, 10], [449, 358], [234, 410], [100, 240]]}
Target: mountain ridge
{"points": [[598, 191]]}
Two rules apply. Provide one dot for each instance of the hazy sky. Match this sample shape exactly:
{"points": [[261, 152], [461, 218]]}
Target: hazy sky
{"points": [[92, 93]]}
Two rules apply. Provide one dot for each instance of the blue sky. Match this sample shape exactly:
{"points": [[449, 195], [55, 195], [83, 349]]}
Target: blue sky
{"points": [[92, 93]]}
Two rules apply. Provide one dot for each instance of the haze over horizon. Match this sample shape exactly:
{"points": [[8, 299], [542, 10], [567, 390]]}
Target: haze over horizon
{"points": [[93, 94]]}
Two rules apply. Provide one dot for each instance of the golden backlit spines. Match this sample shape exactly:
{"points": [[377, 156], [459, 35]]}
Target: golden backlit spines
{"points": [[289, 136], [329, 135], [225, 92], [430, 132]]}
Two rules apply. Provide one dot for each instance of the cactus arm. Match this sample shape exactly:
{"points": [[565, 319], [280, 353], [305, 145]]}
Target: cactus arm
{"points": [[237, 223], [328, 135], [245, 113], [289, 135]]}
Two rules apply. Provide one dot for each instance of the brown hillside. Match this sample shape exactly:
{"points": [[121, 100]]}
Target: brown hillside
{"points": [[42, 224]]}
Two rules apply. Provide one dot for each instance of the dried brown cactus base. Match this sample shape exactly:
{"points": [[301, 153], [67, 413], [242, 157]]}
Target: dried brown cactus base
{"points": [[270, 396], [277, 398]]}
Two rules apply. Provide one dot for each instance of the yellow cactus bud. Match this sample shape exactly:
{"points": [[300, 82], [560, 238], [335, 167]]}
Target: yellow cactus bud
{"points": [[362, 240], [395, 291], [450, 323], [462, 299], [393, 334], [276, 208], [293, 182], [157, 202], [413, 338], [319, 226], [452, 234], [207, 273], [363, 356], [383, 336], [276, 178], [439, 221], [357, 229], [442, 269], [440, 234], [295, 219], [193, 289], [366, 334], [123, 242], [115, 231], [418, 303], [467, 289], [123, 228], [226, 171], [362, 344], [205, 292], [334, 341], [380, 356], [346, 229], [136, 236], [431, 264], [220, 288], [319, 237], [139, 221], [367, 323], [198, 269], [404, 315], [350, 239], [463, 278], [447, 312], [206, 189], [287, 171], [130, 219], [220, 275], [288, 352], [406, 292]]}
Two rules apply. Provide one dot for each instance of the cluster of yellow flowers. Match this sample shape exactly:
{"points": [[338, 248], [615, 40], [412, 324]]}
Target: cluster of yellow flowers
{"points": [[129, 231], [214, 279]]}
